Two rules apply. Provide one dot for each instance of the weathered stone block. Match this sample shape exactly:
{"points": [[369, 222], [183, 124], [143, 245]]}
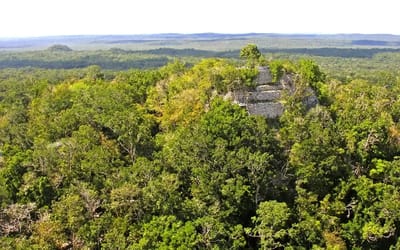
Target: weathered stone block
{"points": [[266, 109], [264, 96], [266, 87], [264, 76], [311, 100]]}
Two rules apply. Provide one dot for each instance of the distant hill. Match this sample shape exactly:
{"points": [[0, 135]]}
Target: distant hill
{"points": [[59, 47]]}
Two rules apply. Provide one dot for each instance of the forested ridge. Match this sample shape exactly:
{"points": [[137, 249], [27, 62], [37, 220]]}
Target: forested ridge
{"points": [[158, 159]]}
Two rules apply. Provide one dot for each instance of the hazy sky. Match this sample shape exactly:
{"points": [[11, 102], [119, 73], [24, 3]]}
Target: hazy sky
{"points": [[20, 18]]}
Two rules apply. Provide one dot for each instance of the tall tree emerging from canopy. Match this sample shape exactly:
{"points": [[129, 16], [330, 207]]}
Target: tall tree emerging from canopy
{"points": [[251, 54]]}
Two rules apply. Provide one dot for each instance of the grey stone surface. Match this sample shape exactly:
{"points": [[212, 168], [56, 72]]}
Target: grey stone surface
{"points": [[264, 96], [287, 82], [311, 100], [266, 109], [266, 87], [240, 96], [264, 76]]}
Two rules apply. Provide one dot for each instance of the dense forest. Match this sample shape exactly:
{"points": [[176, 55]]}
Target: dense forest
{"points": [[158, 159], [341, 63]]}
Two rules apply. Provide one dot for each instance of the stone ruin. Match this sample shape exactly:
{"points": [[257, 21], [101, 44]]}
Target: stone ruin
{"points": [[266, 98]]}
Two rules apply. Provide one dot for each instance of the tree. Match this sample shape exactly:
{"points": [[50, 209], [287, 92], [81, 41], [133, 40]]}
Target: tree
{"points": [[167, 232], [48, 234], [16, 218], [271, 220], [251, 54], [227, 163], [70, 212]]}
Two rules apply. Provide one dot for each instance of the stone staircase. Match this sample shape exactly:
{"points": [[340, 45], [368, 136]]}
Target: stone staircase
{"points": [[265, 99]]}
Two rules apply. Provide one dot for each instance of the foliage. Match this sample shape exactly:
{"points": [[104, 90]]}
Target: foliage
{"points": [[250, 53], [271, 220], [157, 159]]}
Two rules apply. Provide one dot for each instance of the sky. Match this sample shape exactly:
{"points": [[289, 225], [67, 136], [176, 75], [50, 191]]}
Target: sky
{"points": [[33, 18]]}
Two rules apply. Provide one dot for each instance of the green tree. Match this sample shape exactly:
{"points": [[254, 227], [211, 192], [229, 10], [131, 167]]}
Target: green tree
{"points": [[251, 53], [167, 232], [271, 223]]}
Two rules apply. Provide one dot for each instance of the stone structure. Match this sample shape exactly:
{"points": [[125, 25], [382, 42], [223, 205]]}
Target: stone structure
{"points": [[265, 99]]}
